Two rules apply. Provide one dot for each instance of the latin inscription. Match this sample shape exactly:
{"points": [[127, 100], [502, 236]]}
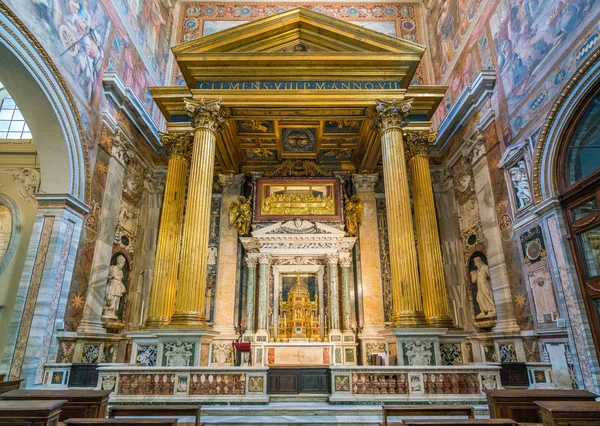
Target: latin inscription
{"points": [[298, 85]]}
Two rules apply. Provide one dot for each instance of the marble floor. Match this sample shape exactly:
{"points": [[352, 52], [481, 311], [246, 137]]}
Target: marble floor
{"points": [[290, 413]]}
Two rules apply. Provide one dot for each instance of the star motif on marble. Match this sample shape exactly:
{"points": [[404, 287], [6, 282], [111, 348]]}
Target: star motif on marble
{"points": [[520, 300], [77, 302], [102, 168]]}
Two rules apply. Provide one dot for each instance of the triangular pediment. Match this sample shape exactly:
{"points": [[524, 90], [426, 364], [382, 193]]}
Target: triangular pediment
{"points": [[298, 227], [298, 27]]}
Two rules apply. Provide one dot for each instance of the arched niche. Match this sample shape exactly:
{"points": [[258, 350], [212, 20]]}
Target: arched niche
{"points": [[43, 97], [547, 161]]}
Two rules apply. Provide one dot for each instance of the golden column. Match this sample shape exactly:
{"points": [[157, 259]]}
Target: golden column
{"points": [[388, 118], [207, 120], [164, 281], [435, 298]]}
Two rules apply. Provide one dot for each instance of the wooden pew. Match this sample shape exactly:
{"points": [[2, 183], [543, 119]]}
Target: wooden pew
{"points": [[10, 385], [121, 422], [79, 402], [571, 413], [519, 404], [470, 422], [156, 411], [424, 411], [30, 413]]}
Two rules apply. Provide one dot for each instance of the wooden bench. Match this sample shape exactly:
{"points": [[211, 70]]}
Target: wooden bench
{"points": [[571, 413], [10, 385], [121, 422], [452, 422], [519, 404], [79, 403], [425, 411], [156, 410], [30, 413]]}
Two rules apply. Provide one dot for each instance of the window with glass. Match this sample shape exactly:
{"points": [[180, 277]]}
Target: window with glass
{"points": [[12, 123], [583, 151], [580, 179]]}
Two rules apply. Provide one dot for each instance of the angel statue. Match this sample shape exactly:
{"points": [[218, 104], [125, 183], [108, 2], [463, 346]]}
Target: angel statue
{"points": [[240, 214], [354, 213]]}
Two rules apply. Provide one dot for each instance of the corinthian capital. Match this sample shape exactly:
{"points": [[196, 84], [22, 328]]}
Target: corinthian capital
{"points": [[389, 114], [178, 144], [206, 114], [264, 259], [365, 182], [418, 143]]}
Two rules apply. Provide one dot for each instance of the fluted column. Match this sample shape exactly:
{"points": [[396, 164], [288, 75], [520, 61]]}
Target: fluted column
{"points": [[345, 264], [334, 301], [207, 120], [433, 282], [406, 290], [251, 262], [164, 281], [263, 291]]}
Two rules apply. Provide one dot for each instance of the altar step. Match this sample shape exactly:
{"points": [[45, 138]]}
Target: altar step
{"points": [[296, 413]]}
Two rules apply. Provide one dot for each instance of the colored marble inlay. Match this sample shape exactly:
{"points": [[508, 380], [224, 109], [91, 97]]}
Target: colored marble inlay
{"points": [[31, 298]]}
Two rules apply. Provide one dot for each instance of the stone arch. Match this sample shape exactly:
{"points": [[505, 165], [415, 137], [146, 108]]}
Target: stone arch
{"points": [[545, 160], [40, 91]]}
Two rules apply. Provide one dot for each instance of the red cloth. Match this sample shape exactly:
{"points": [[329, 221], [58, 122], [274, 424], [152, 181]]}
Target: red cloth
{"points": [[242, 346]]}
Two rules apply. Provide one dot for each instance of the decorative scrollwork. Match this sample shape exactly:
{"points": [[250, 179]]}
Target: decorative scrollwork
{"points": [[390, 114], [206, 114], [297, 168]]}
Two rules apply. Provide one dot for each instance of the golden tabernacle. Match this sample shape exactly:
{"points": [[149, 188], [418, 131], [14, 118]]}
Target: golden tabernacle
{"points": [[298, 315]]}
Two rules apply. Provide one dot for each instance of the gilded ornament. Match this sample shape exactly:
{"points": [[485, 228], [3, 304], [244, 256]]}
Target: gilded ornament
{"points": [[206, 113], [300, 204], [354, 208], [178, 144], [255, 125], [297, 168], [340, 124], [418, 143], [258, 152], [240, 214], [390, 114], [338, 152]]}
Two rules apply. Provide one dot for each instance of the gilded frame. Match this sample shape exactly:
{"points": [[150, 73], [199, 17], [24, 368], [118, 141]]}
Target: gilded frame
{"points": [[264, 183]]}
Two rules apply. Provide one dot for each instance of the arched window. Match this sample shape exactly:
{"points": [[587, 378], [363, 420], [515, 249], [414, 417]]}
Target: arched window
{"points": [[583, 149], [579, 178]]}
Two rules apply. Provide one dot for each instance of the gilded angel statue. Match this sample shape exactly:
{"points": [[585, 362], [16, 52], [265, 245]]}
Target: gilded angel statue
{"points": [[354, 213], [240, 214]]}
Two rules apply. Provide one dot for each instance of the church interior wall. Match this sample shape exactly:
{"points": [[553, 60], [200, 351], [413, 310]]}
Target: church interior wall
{"points": [[533, 62], [20, 204]]}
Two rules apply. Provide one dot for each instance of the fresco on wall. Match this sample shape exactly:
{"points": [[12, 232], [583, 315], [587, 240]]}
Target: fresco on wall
{"points": [[448, 23], [74, 33], [147, 24], [394, 19], [526, 32], [124, 59]]}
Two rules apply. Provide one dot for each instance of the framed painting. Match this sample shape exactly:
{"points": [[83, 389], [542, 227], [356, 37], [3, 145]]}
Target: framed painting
{"points": [[287, 199]]}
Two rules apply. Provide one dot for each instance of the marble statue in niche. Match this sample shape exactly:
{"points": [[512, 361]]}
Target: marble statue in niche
{"points": [[212, 255], [483, 296], [115, 289], [518, 176]]}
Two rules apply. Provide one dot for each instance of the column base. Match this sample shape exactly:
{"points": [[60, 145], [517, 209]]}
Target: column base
{"points": [[188, 320], [440, 322], [91, 327], [157, 322], [506, 326], [409, 319]]}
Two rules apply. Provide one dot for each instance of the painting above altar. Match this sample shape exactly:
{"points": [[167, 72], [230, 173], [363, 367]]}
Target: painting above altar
{"points": [[286, 199]]}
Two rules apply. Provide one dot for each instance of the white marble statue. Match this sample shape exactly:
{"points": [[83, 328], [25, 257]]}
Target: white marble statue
{"points": [[518, 175], [481, 276], [212, 255], [115, 288], [178, 354]]}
